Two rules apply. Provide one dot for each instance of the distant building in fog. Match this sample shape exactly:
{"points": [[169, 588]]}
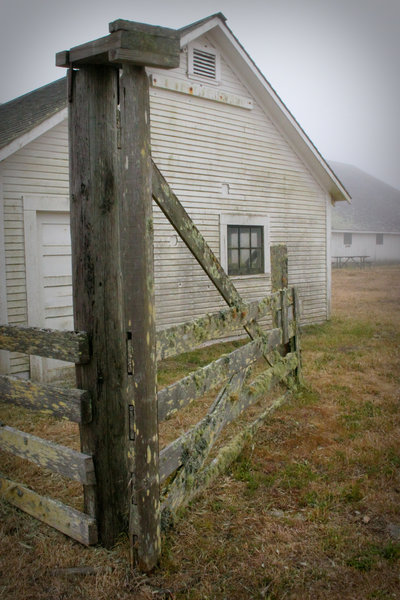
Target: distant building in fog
{"points": [[370, 225]]}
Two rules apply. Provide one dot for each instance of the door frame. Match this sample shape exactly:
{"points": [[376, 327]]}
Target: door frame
{"points": [[33, 204]]}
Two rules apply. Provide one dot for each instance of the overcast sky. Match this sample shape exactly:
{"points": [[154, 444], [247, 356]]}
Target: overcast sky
{"points": [[335, 63]]}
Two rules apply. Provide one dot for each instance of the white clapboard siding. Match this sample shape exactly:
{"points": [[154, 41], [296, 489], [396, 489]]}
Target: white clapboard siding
{"points": [[218, 158], [217, 145], [41, 167]]}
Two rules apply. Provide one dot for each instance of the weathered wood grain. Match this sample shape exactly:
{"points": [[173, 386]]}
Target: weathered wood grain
{"points": [[97, 285], [64, 345], [74, 405], [187, 336], [198, 441], [197, 384], [182, 495], [192, 448], [73, 523], [284, 316], [136, 247], [279, 267], [59, 459], [136, 43], [295, 337]]}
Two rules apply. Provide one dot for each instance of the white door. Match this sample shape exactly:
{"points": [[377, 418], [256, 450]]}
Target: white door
{"points": [[49, 285]]}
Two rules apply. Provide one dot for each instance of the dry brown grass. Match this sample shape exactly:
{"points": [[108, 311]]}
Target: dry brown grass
{"points": [[310, 511]]}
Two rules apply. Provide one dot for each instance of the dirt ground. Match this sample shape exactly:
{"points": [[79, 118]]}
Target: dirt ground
{"points": [[310, 510]]}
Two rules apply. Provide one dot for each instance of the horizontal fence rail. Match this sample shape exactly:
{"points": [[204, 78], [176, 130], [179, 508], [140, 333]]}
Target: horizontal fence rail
{"points": [[74, 405], [187, 336], [70, 346], [178, 395], [73, 523], [59, 459], [233, 399]]}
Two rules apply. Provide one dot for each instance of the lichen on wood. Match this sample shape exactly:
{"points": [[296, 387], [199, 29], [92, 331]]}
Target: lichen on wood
{"points": [[59, 459], [65, 403], [73, 523], [189, 449], [71, 346]]}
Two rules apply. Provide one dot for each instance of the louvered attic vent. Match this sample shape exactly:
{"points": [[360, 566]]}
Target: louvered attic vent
{"points": [[203, 63]]}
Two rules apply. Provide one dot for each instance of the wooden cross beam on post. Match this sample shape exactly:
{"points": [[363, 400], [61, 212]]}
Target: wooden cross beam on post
{"points": [[112, 262]]}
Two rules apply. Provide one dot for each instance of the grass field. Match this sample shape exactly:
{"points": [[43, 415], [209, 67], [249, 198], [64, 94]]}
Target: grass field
{"points": [[310, 511]]}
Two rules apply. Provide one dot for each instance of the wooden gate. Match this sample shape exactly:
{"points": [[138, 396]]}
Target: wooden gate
{"points": [[112, 183], [71, 404]]}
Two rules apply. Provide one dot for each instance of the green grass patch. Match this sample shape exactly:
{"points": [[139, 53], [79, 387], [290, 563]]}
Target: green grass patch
{"points": [[367, 559], [297, 475], [173, 369], [244, 470], [359, 415]]}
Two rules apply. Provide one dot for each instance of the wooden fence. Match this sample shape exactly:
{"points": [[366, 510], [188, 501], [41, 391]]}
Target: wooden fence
{"points": [[112, 184], [72, 404]]}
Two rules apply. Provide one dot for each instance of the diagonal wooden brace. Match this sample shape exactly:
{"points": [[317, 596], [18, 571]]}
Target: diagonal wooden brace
{"points": [[185, 227]]}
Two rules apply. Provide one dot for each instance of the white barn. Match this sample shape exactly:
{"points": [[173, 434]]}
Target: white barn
{"points": [[370, 226], [232, 152]]}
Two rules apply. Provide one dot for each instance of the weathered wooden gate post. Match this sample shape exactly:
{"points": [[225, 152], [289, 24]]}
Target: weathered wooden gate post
{"points": [[279, 276], [279, 280], [112, 256]]}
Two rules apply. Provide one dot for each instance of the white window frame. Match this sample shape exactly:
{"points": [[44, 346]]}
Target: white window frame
{"points": [[206, 48], [347, 244], [226, 219]]}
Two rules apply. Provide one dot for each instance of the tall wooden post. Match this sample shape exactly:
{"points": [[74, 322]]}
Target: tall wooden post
{"points": [[279, 274], [112, 250]]}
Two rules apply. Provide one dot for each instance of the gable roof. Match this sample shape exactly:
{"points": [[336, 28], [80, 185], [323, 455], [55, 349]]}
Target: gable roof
{"points": [[39, 105], [21, 115], [375, 205]]}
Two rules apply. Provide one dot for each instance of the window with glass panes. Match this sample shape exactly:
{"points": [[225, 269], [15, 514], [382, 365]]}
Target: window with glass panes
{"points": [[245, 249]]}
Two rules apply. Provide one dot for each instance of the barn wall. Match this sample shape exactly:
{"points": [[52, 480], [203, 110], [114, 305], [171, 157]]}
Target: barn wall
{"points": [[41, 167], [219, 159], [365, 244]]}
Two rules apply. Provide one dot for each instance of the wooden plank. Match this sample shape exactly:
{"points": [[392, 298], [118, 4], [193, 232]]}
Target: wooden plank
{"points": [[59, 459], [136, 247], [197, 384], [183, 224], [181, 496], [73, 523], [64, 345], [279, 267], [192, 448], [187, 336], [284, 316], [226, 409], [97, 290], [136, 43], [74, 405], [295, 341]]}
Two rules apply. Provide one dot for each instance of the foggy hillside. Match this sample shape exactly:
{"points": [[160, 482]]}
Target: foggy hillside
{"points": [[375, 204]]}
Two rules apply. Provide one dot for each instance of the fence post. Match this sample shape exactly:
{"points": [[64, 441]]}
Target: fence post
{"points": [[279, 277], [112, 262]]}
